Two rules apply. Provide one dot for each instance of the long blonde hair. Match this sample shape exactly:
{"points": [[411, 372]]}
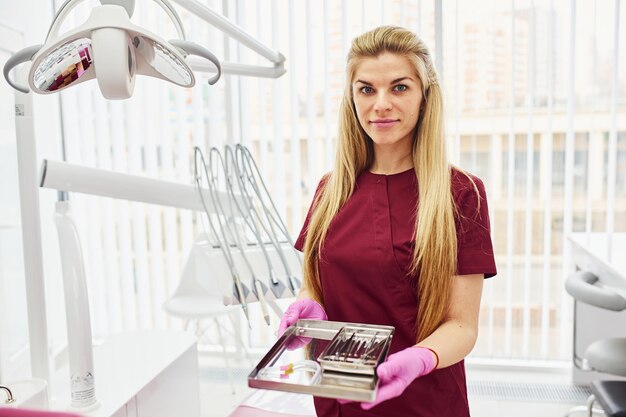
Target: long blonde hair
{"points": [[435, 253]]}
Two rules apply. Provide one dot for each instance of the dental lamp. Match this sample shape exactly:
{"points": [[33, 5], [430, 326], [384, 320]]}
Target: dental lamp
{"points": [[114, 51], [109, 48]]}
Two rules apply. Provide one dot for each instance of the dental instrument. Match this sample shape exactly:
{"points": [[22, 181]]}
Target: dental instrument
{"points": [[250, 221], [240, 292], [246, 169], [264, 194], [257, 286]]}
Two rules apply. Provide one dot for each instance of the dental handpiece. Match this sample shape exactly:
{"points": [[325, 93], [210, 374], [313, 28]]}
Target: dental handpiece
{"points": [[241, 297], [261, 297]]}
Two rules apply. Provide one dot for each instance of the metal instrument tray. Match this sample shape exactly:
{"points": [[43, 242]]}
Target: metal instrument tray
{"points": [[301, 361]]}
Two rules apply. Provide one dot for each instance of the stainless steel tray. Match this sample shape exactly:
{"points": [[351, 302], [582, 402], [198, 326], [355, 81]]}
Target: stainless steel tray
{"points": [[292, 364]]}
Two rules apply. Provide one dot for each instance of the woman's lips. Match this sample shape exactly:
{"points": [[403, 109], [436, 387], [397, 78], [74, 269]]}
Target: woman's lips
{"points": [[384, 124]]}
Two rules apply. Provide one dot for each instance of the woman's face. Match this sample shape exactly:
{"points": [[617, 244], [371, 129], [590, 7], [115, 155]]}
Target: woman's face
{"points": [[387, 96]]}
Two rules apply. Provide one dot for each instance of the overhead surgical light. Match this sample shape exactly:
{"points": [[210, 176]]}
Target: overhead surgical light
{"points": [[109, 48]]}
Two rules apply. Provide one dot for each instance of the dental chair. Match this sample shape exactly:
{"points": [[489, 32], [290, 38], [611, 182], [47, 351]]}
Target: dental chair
{"points": [[605, 355], [194, 304]]}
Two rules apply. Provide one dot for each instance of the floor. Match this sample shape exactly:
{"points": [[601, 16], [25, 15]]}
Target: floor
{"points": [[492, 393]]}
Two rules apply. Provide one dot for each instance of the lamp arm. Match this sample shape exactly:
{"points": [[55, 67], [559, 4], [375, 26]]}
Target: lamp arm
{"points": [[234, 68], [195, 7], [171, 12], [64, 176], [64, 10], [128, 5], [18, 58], [231, 29]]}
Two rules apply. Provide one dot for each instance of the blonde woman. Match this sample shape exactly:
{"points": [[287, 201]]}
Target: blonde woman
{"points": [[396, 235]]}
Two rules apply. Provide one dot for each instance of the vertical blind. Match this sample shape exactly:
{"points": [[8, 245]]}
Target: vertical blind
{"points": [[535, 104]]}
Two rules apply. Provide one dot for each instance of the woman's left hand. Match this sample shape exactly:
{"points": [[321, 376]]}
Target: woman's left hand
{"points": [[398, 371]]}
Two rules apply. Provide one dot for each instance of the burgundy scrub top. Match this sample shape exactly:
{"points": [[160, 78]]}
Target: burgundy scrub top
{"points": [[364, 266]]}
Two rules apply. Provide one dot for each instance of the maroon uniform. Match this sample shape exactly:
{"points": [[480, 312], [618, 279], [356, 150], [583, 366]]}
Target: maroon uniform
{"points": [[364, 266]]}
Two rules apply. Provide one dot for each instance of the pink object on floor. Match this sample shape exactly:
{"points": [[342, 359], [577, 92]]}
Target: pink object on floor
{"points": [[15, 412], [269, 403], [245, 411]]}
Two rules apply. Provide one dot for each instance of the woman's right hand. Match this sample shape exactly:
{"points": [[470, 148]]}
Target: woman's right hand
{"points": [[305, 308]]}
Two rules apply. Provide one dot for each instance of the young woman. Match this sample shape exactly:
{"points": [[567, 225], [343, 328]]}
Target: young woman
{"points": [[396, 235]]}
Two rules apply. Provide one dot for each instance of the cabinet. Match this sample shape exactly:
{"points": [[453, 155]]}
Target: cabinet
{"points": [[145, 373]]}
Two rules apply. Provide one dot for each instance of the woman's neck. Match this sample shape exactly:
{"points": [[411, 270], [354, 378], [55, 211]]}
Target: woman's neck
{"points": [[391, 164]]}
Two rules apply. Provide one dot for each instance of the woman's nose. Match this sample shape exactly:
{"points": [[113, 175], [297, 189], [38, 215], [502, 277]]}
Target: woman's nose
{"points": [[383, 102]]}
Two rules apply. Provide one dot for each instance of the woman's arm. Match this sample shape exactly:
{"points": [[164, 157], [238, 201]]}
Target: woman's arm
{"points": [[303, 294], [456, 336], [452, 341]]}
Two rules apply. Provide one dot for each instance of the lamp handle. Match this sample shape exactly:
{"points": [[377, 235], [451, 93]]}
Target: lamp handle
{"points": [[16, 59], [191, 48]]}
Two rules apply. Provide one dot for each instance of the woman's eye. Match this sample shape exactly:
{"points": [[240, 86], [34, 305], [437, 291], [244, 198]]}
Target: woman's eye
{"points": [[400, 87], [367, 90]]}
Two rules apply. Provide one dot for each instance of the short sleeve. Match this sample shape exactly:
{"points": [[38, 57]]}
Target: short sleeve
{"points": [[474, 247], [299, 244]]}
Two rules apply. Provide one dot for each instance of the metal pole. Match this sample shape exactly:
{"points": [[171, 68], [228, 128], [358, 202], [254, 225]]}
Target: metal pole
{"points": [[31, 232]]}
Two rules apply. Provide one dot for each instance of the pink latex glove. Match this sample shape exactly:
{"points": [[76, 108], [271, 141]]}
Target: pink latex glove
{"points": [[398, 371], [305, 308]]}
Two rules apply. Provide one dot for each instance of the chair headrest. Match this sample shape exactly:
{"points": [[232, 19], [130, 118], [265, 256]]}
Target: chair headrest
{"points": [[582, 286]]}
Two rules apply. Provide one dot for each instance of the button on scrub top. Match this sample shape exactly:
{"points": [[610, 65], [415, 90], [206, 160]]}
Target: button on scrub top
{"points": [[364, 266]]}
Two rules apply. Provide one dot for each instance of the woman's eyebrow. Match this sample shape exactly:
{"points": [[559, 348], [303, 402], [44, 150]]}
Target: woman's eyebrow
{"points": [[397, 80]]}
